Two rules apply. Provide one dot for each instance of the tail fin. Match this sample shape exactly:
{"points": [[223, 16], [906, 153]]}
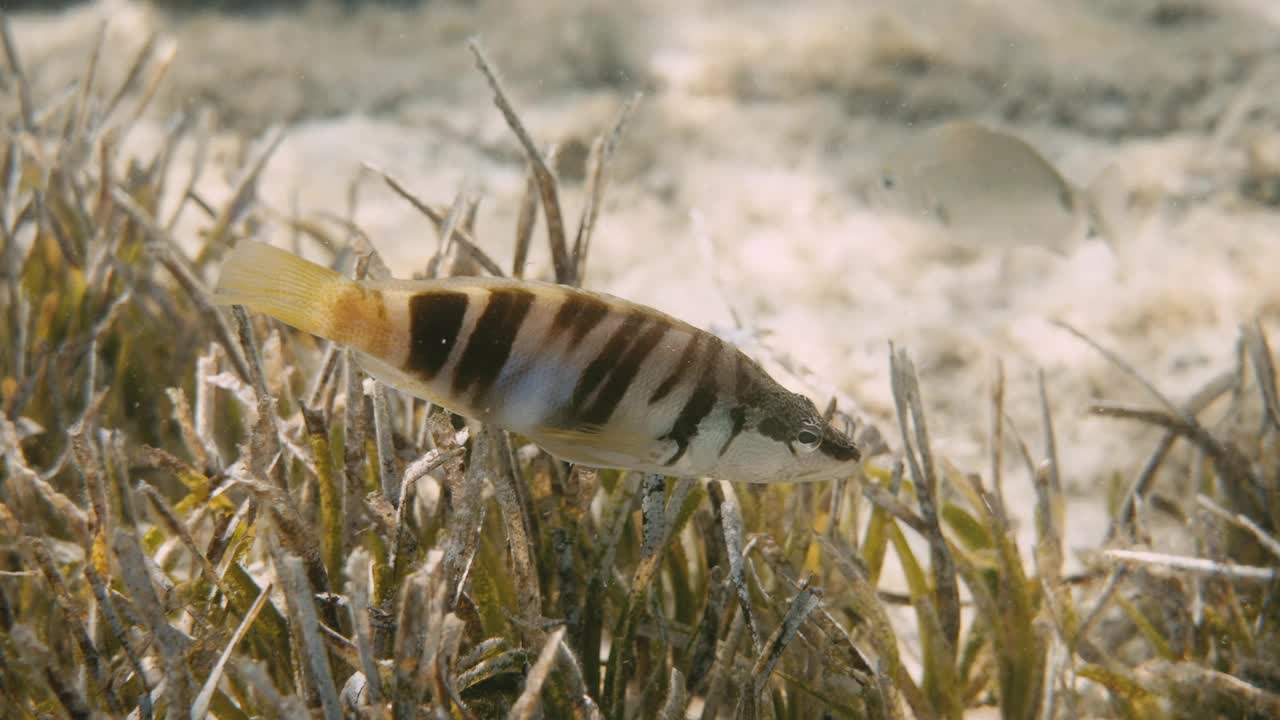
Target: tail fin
{"points": [[269, 280]]}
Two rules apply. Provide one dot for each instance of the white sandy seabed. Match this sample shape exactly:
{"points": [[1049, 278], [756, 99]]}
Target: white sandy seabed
{"points": [[758, 122]]}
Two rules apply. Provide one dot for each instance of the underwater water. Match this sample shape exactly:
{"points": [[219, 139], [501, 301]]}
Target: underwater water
{"points": [[1021, 253]]}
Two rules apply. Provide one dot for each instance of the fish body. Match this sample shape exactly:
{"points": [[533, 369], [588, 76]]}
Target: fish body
{"points": [[592, 378], [986, 188]]}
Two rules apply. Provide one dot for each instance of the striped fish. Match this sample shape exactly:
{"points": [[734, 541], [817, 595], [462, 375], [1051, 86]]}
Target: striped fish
{"points": [[591, 378]]}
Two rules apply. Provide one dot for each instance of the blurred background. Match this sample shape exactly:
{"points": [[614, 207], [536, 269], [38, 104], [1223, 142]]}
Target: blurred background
{"points": [[751, 180]]}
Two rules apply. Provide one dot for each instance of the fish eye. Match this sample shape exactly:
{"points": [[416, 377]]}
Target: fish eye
{"points": [[887, 182], [809, 438]]}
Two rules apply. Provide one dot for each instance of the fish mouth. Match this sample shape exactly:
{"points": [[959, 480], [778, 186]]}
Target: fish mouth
{"points": [[844, 471], [839, 447]]}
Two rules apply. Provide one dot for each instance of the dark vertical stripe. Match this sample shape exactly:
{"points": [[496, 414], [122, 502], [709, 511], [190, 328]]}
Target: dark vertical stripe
{"points": [[610, 355], [490, 343], [711, 359], [700, 403], [578, 315], [686, 425], [683, 366], [624, 372], [739, 417], [434, 320]]}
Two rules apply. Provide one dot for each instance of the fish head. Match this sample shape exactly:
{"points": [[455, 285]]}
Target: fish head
{"points": [[902, 185], [785, 439], [884, 186]]}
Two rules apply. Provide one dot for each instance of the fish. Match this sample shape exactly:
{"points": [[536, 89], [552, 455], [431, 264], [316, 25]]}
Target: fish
{"points": [[989, 188], [593, 379]]}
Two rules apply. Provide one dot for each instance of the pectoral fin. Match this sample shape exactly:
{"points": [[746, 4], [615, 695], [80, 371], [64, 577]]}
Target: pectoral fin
{"points": [[602, 447]]}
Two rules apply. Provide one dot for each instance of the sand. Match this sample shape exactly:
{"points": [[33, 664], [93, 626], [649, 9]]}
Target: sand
{"points": [[756, 126]]}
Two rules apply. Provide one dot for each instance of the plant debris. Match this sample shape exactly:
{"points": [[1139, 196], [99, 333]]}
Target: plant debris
{"points": [[209, 513]]}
